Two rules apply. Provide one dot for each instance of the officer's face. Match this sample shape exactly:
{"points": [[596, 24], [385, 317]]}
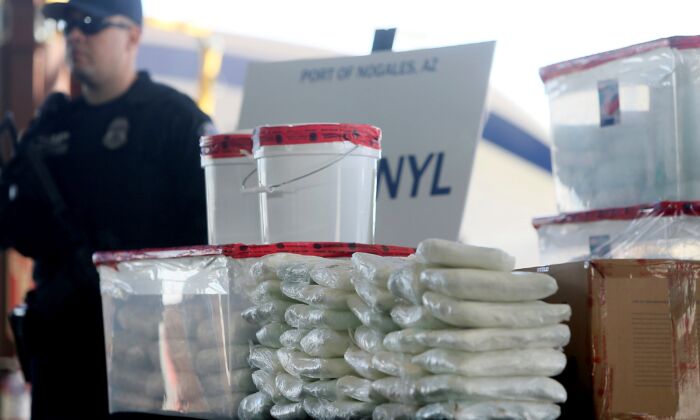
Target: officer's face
{"points": [[100, 50]]}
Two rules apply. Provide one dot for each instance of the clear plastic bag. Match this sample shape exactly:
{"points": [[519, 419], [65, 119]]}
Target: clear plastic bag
{"points": [[269, 335], [291, 411], [212, 360], [295, 272], [255, 407], [290, 387], [526, 362], [440, 388], [369, 339], [267, 312], [377, 269], [264, 358], [265, 382], [291, 339], [375, 297], [416, 317], [358, 389], [404, 341], [370, 318], [308, 317], [397, 364], [335, 275], [468, 314], [405, 283], [455, 254], [361, 361], [394, 411], [239, 381], [301, 365], [324, 390], [266, 291], [489, 286], [337, 410], [489, 410], [315, 295], [400, 390], [324, 342], [487, 339]]}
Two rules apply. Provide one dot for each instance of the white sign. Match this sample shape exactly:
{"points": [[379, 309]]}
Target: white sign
{"points": [[429, 105]]}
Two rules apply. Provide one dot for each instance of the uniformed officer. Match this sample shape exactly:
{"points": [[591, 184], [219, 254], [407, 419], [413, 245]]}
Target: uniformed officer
{"points": [[124, 158]]}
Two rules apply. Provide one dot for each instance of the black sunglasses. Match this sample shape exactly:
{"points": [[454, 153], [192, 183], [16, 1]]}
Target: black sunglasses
{"points": [[89, 25]]}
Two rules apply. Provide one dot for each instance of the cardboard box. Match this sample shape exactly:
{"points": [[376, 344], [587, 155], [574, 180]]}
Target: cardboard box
{"points": [[634, 345]]}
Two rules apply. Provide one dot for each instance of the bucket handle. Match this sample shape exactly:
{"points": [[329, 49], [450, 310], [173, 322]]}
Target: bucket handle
{"points": [[274, 188]]}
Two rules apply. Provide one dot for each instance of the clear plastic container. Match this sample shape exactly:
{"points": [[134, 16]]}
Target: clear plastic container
{"points": [[663, 230], [624, 124]]}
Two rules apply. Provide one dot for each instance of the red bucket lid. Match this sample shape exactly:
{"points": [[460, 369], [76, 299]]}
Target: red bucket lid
{"points": [[285, 135], [584, 63], [660, 209], [317, 249], [226, 146]]}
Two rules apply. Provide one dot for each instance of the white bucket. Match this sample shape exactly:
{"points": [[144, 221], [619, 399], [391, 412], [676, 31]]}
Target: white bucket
{"points": [[317, 182], [232, 217]]}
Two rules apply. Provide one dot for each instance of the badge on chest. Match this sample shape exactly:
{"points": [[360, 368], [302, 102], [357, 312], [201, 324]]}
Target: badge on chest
{"points": [[117, 134]]}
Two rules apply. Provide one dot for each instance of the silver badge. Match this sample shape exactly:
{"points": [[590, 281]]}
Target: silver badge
{"points": [[117, 134], [54, 144]]}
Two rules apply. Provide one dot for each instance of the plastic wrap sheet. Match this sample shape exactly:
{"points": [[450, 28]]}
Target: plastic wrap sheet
{"points": [[320, 409], [394, 411], [369, 317], [303, 366], [624, 125], [352, 387], [655, 231], [315, 295], [489, 410], [361, 361], [457, 255], [324, 342], [377, 269], [527, 362], [404, 341], [652, 370]]}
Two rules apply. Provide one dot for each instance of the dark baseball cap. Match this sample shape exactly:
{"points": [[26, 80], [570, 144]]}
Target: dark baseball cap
{"points": [[97, 8]]}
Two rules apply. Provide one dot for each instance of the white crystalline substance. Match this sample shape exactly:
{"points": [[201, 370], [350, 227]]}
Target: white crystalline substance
{"points": [[266, 312], [439, 388], [455, 254], [377, 269], [405, 283], [397, 364], [335, 274], [370, 318], [324, 390], [369, 339], [266, 267], [495, 315], [291, 339], [325, 410], [404, 341], [265, 382], [308, 317], [264, 358], [400, 390], [394, 411], [290, 387], [266, 291], [489, 410], [526, 362], [324, 342], [352, 387], [301, 365], [255, 407], [269, 335], [486, 339], [416, 317], [489, 286], [361, 361], [315, 295], [375, 297], [291, 411]]}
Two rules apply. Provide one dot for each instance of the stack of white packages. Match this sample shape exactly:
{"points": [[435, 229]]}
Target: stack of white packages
{"points": [[268, 313], [484, 345]]}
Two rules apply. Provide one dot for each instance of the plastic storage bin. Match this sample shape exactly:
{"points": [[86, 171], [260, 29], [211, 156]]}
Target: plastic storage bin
{"points": [[317, 182], [663, 230], [175, 339], [624, 124]]}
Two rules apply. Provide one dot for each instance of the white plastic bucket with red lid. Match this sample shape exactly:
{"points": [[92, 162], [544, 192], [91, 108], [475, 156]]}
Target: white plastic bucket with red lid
{"points": [[317, 182], [232, 217]]}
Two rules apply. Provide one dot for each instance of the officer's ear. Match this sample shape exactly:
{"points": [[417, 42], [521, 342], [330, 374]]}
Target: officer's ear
{"points": [[135, 33]]}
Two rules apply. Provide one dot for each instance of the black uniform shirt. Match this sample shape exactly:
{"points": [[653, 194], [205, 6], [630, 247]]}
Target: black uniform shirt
{"points": [[129, 170]]}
